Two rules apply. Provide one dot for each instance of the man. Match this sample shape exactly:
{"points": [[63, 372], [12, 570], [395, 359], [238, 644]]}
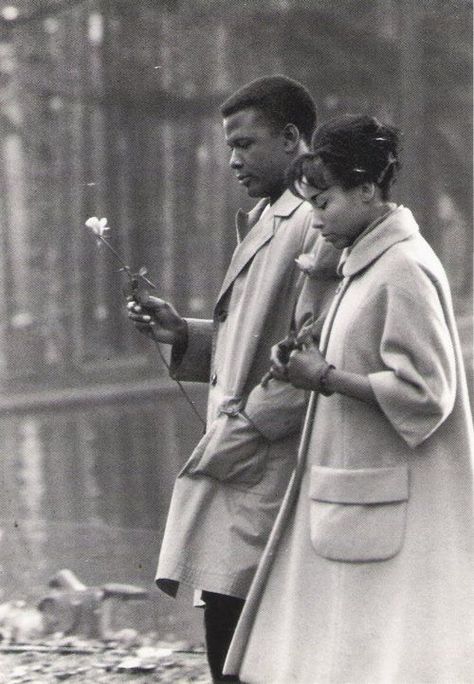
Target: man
{"points": [[228, 493]]}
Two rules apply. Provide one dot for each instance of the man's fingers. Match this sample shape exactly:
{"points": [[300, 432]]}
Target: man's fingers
{"points": [[150, 302], [133, 306], [140, 318]]}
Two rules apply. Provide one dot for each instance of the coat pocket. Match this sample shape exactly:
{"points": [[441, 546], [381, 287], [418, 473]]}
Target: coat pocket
{"points": [[232, 451], [358, 515]]}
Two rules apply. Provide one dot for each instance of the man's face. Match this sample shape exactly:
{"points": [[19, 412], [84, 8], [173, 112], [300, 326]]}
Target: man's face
{"points": [[259, 157]]}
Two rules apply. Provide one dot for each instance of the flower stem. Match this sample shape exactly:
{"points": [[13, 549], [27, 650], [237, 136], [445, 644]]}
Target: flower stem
{"points": [[125, 266]]}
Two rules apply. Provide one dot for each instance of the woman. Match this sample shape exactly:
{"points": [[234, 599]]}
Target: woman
{"points": [[369, 574]]}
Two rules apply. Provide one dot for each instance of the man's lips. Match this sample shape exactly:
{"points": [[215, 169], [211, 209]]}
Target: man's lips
{"points": [[244, 179]]}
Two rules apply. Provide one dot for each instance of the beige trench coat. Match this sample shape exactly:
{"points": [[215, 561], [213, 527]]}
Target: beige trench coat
{"points": [[227, 495], [369, 575]]}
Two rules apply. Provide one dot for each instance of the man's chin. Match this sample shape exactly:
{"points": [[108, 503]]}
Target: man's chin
{"points": [[255, 191]]}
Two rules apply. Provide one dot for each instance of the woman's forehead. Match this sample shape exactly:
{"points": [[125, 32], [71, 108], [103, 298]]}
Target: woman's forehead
{"points": [[306, 190], [315, 173]]}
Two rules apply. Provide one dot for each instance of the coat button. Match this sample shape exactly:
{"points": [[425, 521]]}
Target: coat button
{"points": [[214, 379], [221, 315]]}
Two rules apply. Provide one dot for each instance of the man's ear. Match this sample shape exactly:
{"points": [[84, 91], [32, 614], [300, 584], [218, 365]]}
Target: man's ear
{"points": [[367, 191], [291, 137]]}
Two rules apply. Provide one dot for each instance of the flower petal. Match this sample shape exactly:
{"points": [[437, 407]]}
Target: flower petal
{"points": [[306, 262], [99, 226]]}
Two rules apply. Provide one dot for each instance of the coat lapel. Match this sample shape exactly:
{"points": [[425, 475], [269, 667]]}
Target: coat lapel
{"points": [[254, 231], [244, 221], [397, 226]]}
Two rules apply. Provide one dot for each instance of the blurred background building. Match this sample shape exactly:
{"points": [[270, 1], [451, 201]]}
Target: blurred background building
{"points": [[110, 108]]}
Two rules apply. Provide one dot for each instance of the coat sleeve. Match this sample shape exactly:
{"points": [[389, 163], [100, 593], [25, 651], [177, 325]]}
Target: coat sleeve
{"points": [[278, 409], [416, 389], [193, 363]]}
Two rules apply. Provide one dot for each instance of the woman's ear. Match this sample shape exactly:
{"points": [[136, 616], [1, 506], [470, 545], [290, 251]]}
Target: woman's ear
{"points": [[367, 191], [291, 137]]}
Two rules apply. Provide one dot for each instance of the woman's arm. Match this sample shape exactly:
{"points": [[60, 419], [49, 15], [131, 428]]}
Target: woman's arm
{"points": [[308, 369], [351, 384]]}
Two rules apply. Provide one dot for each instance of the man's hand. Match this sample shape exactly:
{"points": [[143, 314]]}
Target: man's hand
{"points": [[158, 319]]}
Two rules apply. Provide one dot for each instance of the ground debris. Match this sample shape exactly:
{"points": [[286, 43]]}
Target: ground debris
{"points": [[58, 658]]}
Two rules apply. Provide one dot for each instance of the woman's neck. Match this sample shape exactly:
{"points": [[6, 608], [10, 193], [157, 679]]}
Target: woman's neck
{"points": [[380, 212]]}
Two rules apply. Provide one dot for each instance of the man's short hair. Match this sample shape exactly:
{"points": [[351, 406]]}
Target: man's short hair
{"points": [[281, 101]]}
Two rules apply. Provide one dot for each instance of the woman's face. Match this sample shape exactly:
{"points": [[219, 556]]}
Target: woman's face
{"points": [[340, 215]]}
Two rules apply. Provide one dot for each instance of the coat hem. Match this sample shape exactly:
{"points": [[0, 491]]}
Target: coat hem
{"points": [[202, 581]]}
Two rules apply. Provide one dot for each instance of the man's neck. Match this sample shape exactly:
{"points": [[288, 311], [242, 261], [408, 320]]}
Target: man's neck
{"points": [[301, 149], [274, 197]]}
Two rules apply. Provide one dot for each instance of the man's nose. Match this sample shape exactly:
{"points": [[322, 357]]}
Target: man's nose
{"points": [[316, 221], [235, 161]]}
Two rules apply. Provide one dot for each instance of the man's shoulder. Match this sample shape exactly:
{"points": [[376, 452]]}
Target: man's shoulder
{"points": [[297, 221], [289, 207]]}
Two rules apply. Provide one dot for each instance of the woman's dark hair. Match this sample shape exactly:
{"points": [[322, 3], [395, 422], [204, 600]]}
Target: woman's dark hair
{"points": [[349, 151]]}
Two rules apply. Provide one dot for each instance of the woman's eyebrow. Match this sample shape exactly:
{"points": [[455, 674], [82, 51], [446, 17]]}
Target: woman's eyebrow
{"points": [[316, 194]]}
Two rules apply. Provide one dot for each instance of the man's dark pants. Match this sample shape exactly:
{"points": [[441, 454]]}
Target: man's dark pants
{"points": [[221, 614]]}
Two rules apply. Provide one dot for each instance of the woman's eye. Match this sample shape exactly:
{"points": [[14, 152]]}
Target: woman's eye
{"points": [[320, 205]]}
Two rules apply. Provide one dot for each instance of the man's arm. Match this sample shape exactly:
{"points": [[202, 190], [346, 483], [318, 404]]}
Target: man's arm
{"points": [[277, 409], [192, 362]]}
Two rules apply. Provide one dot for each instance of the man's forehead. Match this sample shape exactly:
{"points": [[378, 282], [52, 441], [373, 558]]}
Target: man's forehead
{"points": [[245, 120]]}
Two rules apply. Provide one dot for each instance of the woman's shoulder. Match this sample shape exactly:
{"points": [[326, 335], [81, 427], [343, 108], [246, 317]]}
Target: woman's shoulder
{"points": [[412, 267], [415, 258]]}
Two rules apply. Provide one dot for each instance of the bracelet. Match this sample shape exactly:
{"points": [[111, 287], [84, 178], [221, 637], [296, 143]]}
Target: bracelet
{"points": [[323, 376]]}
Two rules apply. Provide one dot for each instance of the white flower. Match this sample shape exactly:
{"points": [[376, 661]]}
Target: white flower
{"points": [[306, 262], [99, 226]]}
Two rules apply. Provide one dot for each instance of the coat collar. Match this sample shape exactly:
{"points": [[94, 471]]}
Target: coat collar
{"points": [[260, 230], [399, 225], [286, 204], [283, 207], [244, 222]]}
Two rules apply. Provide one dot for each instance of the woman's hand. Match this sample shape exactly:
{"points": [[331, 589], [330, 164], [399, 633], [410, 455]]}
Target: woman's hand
{"points": [[308, 369], [279, 357], [305, 367]]}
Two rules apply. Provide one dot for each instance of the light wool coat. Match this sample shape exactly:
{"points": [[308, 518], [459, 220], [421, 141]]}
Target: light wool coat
{"points": [[227, 495], [369, 575]]}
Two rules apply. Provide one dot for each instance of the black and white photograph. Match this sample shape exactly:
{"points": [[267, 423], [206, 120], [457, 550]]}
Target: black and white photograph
{"points": [[236, 342]]}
